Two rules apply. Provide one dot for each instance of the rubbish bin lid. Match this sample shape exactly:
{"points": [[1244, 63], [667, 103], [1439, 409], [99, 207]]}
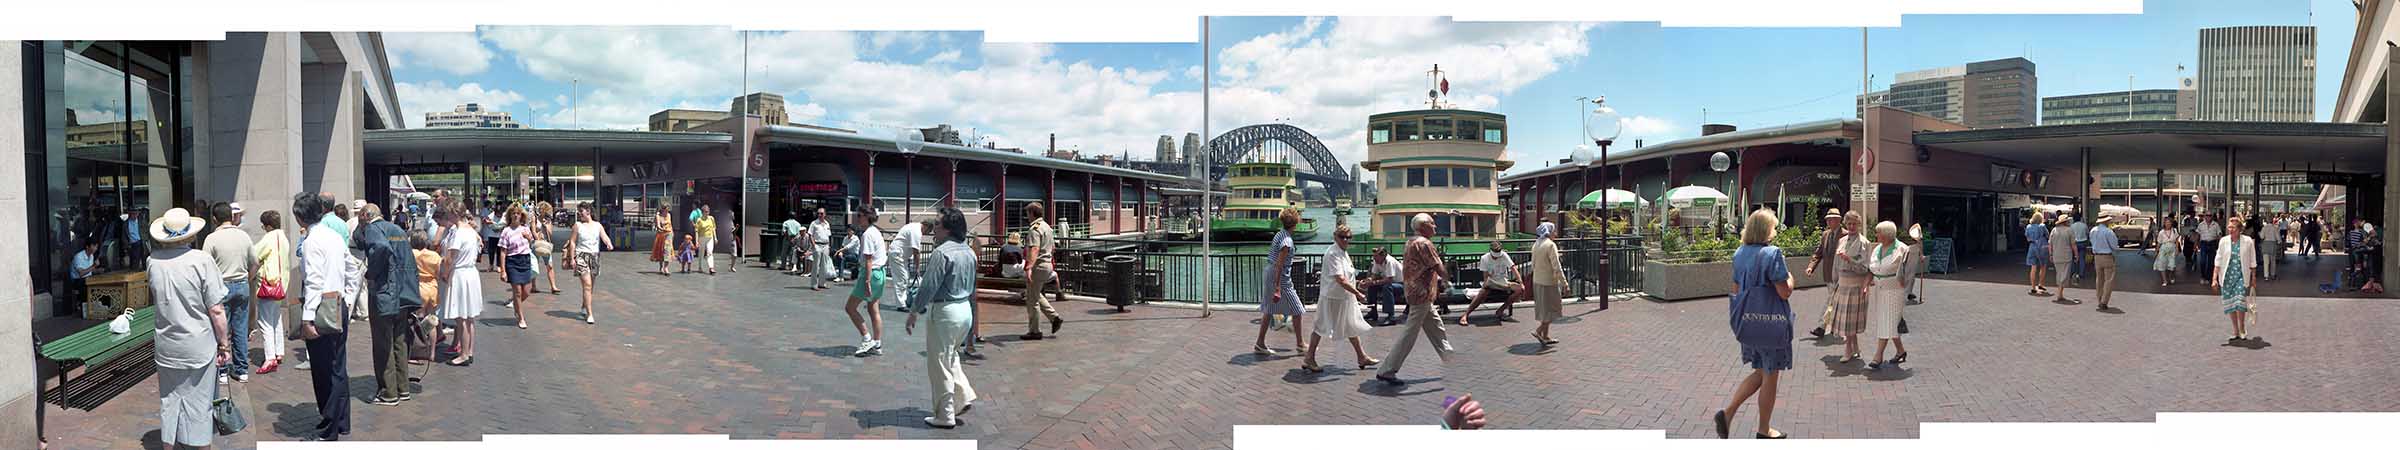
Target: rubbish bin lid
{"points": [[1118, 258]]}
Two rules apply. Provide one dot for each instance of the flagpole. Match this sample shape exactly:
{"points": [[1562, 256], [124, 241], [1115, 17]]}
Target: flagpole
{"points": [[1207, 188]]}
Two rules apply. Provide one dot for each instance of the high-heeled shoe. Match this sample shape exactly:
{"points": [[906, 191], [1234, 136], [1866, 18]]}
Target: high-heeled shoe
{"points": [[1900, 359]]}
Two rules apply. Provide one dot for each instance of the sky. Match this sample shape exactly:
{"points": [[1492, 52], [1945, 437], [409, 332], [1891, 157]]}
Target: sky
{"points": [[1324, 75]]}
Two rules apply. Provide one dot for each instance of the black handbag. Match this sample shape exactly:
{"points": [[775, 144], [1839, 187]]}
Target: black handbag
{"points": [[229, 419]]}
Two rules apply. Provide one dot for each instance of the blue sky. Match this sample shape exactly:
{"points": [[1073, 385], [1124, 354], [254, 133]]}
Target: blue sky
{"points": [[1322, 74], [1662, 78]]}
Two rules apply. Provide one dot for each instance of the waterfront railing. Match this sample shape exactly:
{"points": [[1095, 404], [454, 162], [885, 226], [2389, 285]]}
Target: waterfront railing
{"points": [[1179, 271]]}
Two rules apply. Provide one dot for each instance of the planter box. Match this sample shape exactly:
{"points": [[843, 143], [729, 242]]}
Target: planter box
{"points": [[1687, 281]]}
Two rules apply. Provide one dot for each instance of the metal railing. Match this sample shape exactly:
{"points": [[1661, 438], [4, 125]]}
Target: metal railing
{"points": [[1176, 271]]}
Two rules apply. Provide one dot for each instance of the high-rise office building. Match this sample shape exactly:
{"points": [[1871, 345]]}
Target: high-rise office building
{"points": [[2119, 106], [2258, 73], [1166, 149], [1983, 94], [469, 116]]}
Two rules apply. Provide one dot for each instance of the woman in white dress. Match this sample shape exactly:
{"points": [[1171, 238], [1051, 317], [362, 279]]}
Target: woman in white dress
{"points": [[1341, 307], [1886, 292], [462, 287], [2170, 252]]}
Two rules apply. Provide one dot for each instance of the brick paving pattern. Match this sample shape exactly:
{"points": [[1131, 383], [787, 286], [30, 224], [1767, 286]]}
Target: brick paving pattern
{"points": [[1980, 352], [756, 356]]}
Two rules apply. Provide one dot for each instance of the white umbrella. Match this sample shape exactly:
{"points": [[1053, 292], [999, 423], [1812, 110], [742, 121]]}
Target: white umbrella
{"points": [[1612, 199], [1691, 196]]}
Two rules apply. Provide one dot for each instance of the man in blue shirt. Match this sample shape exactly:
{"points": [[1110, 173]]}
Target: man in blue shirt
{"points": [[2104, 260], [2037, 255], [86, 265]]}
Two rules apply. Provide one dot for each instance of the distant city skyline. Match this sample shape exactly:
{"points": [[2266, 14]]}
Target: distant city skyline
{"points": [[1119, 98]]}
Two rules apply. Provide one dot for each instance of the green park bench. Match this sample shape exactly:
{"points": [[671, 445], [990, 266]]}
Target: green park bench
{"points": [[95, 348]]}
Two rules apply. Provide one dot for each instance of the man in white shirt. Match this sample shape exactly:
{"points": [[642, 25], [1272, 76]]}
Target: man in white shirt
{"points": [[820, 238], [1499, 280], [2083, 246], [904, 263], [325, 289], [871, 279], [1382, 283]]}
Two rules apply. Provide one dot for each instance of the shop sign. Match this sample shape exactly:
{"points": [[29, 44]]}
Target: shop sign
{"points": [[425, 168], [817, 188], [1863, 192]]}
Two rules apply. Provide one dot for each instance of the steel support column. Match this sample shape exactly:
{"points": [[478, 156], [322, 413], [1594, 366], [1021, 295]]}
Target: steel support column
{"points": [[999, 200]]}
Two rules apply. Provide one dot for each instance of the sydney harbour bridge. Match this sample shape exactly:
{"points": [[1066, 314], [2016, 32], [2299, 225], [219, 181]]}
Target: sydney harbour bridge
{"points": [[1276, 141]]}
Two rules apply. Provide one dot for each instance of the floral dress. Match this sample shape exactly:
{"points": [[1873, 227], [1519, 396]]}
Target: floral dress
{"points": [[2233, 290]]}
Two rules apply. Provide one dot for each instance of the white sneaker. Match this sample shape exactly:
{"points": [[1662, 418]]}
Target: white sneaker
{"points": [[224, 379], [864, 348]]}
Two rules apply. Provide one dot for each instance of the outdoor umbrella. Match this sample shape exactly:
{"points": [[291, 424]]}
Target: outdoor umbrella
{"points": [[1690, 196], [1611, 199]]}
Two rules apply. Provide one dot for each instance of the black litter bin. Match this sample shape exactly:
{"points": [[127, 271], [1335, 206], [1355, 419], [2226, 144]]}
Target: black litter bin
{"points": [[772, 249], [1121, 269]]}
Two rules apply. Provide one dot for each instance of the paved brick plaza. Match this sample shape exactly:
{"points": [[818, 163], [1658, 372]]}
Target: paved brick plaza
{"points": [[1979, 352], [756, 356]]}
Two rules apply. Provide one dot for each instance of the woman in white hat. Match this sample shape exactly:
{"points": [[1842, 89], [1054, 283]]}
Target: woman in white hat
{"points": [[189, 290]]}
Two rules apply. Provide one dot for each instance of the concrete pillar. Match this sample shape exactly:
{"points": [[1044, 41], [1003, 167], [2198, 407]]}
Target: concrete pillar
{"points": [[999, 200], [1050, 196], [252, 116], [2085, 210], [2391, 165], [333, 115], [1087, 203], [1116, 194], [950, 183], [866, 181], [1908, 207], [18, 396], [2226, 211]]}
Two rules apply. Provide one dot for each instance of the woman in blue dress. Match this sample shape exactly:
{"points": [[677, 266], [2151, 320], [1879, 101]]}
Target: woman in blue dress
{"points": [[1761, 313], [2037, 255], [1282, 298], [2234, 272]]}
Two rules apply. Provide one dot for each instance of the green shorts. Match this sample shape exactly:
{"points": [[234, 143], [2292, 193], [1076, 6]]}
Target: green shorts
{"points": [[870, 287]]}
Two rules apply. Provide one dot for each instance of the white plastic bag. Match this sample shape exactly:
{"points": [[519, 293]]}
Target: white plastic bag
{"points": [[123, 323]]}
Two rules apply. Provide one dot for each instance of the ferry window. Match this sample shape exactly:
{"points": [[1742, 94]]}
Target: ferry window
{"points": [[1459, 174], [1483, 178], [1492, 133], [1395, 224], [1441, 225], [1486, 223], [1470, 129], [1380, 132], [1416, 177], [1405, 130], [1390, 182], [1437, 128], [1439, 178]]}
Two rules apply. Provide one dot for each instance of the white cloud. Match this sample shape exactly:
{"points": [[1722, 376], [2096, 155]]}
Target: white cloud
{"points": [[1645, 127], [453, 53], [436, 96], [1019, 95], [944, 58], [1328, 75]]}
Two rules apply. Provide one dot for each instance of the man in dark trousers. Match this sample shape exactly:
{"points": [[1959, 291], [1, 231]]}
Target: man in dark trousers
{"points": [[323, 259], [391, 289], [2311, 232]]}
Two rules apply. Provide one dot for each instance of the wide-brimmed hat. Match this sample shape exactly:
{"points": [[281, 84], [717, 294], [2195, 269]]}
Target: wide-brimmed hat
{"points": [[2105, 219], [176, 226], [2063, 218]]}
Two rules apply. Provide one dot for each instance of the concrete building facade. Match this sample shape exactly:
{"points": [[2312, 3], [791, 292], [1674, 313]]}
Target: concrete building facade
{"points": [[1983, 94], [2258, 73], [470, 115], [255, 118], [2146, 104]]}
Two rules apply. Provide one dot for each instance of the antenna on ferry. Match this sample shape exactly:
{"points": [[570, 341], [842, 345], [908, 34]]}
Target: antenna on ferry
{"points": [[1433, 97]]}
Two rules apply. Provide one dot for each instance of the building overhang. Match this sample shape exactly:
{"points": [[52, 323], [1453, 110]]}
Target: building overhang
{"points": [[781, 134], [1829, 132], [535, 145], [2188, 146]]}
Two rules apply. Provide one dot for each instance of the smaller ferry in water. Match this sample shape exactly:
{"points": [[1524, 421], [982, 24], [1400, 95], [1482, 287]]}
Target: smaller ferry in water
{"points": [[1261, 190]]}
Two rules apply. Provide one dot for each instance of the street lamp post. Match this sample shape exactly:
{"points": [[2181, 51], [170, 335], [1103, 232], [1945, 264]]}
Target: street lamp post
{"points": [[1599, 106]]}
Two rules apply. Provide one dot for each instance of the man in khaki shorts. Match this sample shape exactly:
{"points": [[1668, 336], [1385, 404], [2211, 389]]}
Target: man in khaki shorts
{"points": [[1039, 275]]}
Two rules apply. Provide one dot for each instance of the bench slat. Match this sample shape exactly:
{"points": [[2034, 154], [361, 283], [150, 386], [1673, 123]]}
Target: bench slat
{"points": [[98, 343]]}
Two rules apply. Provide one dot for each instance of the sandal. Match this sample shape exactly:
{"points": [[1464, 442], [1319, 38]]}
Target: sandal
{"points": [[1723, 427], [1363, 365], [1312, 367]]}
